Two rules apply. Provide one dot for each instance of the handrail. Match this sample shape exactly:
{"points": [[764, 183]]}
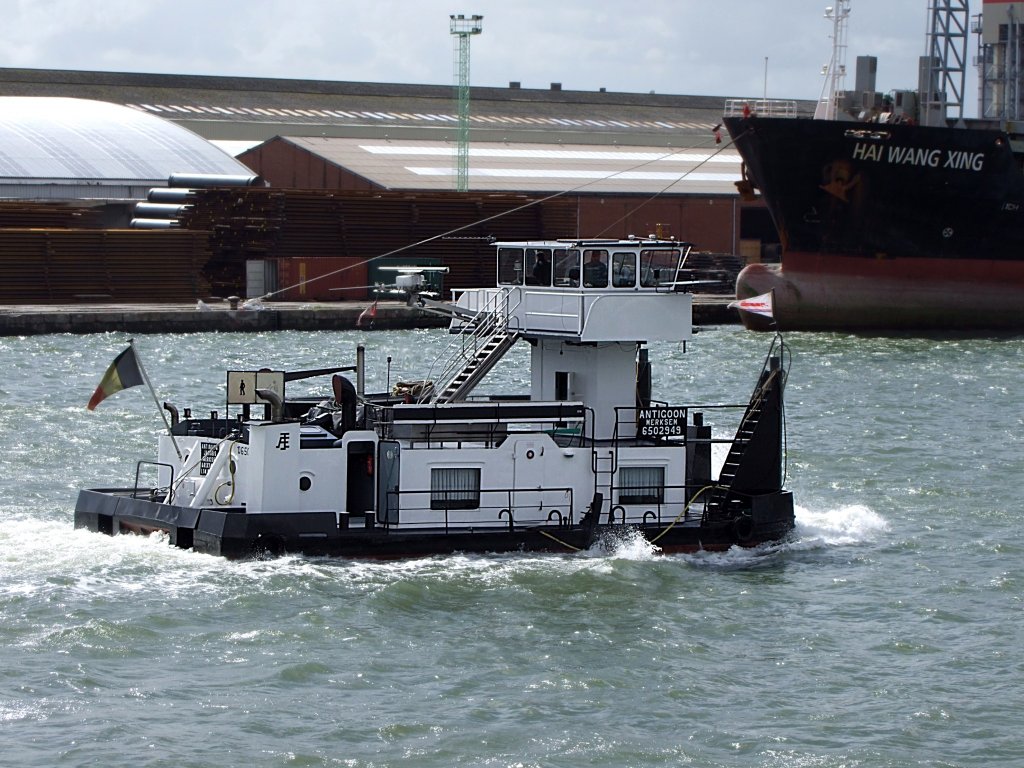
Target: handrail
{"points": [[764, 107], [684, 254], [496, 507], [660, 512], [492, 318], [138, 466]]}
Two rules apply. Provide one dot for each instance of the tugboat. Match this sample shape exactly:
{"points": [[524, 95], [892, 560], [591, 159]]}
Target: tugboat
{"points": [[428, 469]]}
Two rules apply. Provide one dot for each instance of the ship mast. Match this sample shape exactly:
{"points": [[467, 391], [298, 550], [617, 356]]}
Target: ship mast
{"points": [[835, 71]]}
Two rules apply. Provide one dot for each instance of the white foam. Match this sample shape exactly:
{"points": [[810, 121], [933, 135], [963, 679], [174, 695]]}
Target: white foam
{"points": [[852, 524], [102, 565], [628, 544]]}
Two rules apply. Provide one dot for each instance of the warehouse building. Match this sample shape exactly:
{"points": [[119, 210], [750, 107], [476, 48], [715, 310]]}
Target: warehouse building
{"points": [[66, 149], [603, 164]]}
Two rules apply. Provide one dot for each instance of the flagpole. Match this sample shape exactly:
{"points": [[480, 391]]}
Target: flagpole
{"points": [[142, 370]]}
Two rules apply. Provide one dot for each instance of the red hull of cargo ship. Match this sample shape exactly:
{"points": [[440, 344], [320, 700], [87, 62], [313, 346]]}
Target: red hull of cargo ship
{"points": [[831, 292]]}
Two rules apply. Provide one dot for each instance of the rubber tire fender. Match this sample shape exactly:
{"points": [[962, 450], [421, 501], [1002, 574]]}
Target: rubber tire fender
{"points": [[743, 528]]}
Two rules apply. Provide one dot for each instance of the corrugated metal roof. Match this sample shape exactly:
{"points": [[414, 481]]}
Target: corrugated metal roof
{"points": [[362, 117], [52, 139], [231, 108], [704, 168]]}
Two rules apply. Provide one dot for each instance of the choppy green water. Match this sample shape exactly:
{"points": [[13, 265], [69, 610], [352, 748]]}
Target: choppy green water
{"points": [[888, 632]]}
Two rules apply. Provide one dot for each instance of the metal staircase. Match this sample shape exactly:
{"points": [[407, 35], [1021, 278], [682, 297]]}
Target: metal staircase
{"points": [[477, 366], [482, 341], [754, 462]]}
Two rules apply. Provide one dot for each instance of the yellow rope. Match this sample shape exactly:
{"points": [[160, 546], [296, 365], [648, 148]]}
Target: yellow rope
{"points": [[559, 541], [682, 514], [668, 528]]}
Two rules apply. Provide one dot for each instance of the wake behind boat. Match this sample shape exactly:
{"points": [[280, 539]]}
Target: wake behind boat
{"points": [[427, 469]]}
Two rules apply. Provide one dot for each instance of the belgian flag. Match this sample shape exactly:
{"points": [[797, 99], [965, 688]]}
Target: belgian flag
{"points": [[124, 372]]}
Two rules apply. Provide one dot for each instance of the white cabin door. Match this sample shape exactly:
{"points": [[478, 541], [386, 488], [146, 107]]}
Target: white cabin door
{"points": [[528, 481]]}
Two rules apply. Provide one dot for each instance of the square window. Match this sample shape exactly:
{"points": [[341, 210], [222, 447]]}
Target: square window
{"points": [[623, 270], [641, 485], [455, 488], [510, 266]]}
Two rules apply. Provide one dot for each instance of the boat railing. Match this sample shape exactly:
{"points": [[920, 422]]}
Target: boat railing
{"points": [[658, 506], [157, 486], [762, 107], [481, 423], [471, 336], [498, 508]]}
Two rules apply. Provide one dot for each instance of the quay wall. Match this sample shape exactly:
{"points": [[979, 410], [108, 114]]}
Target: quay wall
{"points": [[28, 320]]}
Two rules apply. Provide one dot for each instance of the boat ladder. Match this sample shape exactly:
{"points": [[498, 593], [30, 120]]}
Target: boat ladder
{"points": [[726, 500], [484, 341], [477, 366]]}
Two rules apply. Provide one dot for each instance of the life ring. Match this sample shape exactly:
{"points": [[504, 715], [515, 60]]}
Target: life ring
{"points": [[743, 528]]}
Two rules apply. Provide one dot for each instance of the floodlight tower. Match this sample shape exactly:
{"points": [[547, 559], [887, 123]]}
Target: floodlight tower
{"points": [[463, 27], [836, 69]]}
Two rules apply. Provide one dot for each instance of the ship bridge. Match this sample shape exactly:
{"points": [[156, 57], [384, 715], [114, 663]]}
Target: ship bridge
{"points": [[589, 290], [587, 307]]}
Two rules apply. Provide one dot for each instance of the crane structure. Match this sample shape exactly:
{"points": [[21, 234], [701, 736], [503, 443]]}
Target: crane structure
{"points": [[944, 66]]}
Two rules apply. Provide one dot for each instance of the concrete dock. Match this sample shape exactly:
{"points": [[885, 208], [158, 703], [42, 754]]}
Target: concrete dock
{"points": [[34, 319]]}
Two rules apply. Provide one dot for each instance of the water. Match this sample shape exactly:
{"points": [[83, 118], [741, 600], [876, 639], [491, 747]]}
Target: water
{"points": [[887, 632]]}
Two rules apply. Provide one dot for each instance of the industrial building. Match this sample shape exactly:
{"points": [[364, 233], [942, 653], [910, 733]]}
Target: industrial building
{"points": [[354, 169]]}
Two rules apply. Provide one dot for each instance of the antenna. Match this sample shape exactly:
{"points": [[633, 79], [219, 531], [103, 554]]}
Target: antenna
{"points": [[463, 27], [836, 69]]}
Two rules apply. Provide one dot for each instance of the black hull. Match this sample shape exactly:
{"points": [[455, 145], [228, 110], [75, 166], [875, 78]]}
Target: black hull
{"points": [[236, 535], [887, 225]]}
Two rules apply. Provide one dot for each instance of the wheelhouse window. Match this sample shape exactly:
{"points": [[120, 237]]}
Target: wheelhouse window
{"points": [[567, 267], [595, 268], [658, 267], [538, 266], [455, 488], [510, 266], [641, 485], [623, 270]]}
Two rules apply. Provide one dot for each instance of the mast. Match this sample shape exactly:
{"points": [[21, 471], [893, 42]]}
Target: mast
{"points": [[835, 70]]}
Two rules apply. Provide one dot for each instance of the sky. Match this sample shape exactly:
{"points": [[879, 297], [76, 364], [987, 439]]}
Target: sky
{"points": [[727, 48]]}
